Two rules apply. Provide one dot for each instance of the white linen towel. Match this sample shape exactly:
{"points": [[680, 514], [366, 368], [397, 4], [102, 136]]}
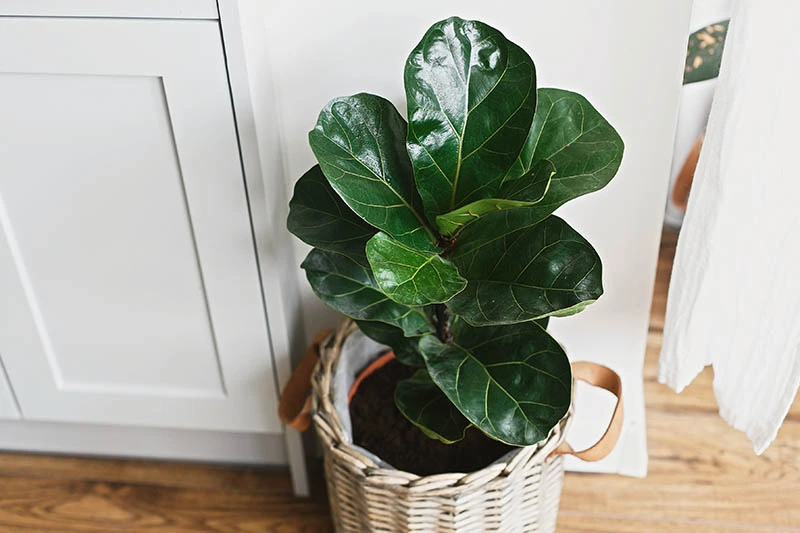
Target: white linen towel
{"points": [[734, 299]]}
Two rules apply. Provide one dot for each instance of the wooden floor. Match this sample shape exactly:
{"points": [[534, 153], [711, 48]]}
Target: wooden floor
{"points": [[703, 477]]}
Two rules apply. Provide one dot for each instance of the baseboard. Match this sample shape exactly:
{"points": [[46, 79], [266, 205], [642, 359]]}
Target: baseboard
{"points": [[153, 443]]}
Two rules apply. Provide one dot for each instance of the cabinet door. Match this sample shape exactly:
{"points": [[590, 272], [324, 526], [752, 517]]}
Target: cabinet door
{"points": [[130, 289]]}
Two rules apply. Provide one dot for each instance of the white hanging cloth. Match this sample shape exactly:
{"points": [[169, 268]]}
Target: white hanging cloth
{"points": [[734, 298]]}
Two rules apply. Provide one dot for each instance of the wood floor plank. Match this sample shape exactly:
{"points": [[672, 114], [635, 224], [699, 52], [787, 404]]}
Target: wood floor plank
{"points": [[569, 522], [700, 471], [160, 473], [82, 506]]}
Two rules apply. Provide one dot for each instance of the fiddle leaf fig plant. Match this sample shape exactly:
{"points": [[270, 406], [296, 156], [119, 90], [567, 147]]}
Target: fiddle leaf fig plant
{"points": [[438, 237]]}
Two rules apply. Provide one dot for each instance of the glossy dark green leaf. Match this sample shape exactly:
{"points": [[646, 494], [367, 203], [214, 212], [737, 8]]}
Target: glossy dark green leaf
{"points": [[584, 148], [426, 406], [359, 142], [319, 217], [344, 281], [513, 382], [405, 349], [516, 274], [533, 186], [471, 97], [409, 276], [525, 191], [704, 53]]}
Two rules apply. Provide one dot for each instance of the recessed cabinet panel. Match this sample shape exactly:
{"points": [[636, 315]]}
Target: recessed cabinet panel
{"points": [[127, 266], [103, 236]]}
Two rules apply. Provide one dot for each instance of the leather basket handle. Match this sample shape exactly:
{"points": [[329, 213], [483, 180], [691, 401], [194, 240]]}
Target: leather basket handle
{"points": [[605, 378], [294, 406]]}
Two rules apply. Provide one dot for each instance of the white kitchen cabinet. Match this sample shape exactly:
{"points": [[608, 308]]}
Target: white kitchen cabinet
{"points": [[142, 272], [126, 259]]}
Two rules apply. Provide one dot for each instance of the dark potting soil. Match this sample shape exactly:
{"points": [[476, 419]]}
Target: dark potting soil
{"points": [[380, 428]]}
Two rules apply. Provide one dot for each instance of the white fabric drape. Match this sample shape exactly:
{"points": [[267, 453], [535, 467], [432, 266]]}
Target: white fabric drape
{"points": [[734, 299]]}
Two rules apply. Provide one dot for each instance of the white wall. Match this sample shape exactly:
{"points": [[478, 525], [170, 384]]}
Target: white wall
{"points": [[626, 56]]}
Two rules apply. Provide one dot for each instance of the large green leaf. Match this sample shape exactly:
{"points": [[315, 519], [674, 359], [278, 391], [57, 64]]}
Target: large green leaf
{"points": [[409, 276], [533, 186], [426, 406], [517, 274], [471, 96], [584, 148], [359, 142], [319, 217], [513, 382], [344, 281], [526, 191], [405, 349]]}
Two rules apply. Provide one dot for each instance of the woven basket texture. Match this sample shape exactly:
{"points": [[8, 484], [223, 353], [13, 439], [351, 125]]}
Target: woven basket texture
{"points": [[517, 494]]}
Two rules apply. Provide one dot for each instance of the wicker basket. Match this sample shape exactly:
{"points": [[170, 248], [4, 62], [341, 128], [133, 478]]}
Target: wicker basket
{"points": [[518, 493]]}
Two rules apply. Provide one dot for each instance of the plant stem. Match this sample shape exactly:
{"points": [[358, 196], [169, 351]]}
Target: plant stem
{"points": [[446, 244], [443, 323]]}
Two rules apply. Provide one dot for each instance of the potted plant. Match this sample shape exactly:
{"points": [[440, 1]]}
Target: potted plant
{"points": [[437, 237]]}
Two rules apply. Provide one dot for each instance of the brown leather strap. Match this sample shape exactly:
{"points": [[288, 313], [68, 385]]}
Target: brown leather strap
{"points": [[294, 407], [603, 377], [683, 183], [375, 365]]}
